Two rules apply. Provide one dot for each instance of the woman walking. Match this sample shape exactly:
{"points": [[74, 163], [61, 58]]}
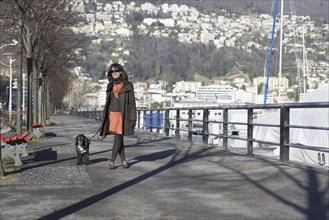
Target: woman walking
{"points": [[119, 114]]}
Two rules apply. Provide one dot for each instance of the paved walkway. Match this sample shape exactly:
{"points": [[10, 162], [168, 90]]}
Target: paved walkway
{"points": [[168, 179]]}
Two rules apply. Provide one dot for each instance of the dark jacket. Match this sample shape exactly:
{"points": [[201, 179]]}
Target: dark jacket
{"points": [[127, 106]]}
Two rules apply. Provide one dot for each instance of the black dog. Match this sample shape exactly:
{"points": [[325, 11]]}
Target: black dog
{"points": [[82, 147]]}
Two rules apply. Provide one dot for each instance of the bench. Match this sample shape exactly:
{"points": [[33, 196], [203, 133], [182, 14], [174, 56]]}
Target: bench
{"points": [[36, 129], [11, 146]]}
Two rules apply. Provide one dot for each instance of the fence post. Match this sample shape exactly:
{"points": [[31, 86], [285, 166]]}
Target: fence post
{"points": [[100, 115], [138, 119], [151, 120], [177, 133], [250, 134], [144, 120], [166, 123], [225, 128], [205, 129], [190, 125], [284, 133], [93, 113], [158, 121]]}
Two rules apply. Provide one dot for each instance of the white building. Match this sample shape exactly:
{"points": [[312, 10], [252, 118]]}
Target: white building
{"points": [[184, 86], [243, 96], [273, 82], [215, 92], [124, 32], [149, 21], [150, 8], [168, 22], [260, 99], [101, 94]]}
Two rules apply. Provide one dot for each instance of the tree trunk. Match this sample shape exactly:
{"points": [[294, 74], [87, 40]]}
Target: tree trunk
{"points": [[20, 79], [42, 99], [45, 100], [35, 94], [28, 46], [29, 94]]}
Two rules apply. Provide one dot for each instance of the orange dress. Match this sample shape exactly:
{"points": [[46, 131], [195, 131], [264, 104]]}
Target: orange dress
{"points": [[115, 123], [116, 117]]}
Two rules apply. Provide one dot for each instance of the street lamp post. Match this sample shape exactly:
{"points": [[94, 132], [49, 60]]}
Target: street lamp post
{"points": [[11, 60], [24, 77], [14, 42], [10, 104]]}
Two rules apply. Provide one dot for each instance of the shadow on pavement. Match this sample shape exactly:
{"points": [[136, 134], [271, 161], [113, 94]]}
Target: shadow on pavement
{"points": [[50, 134], [153, 156], [100, 196]]}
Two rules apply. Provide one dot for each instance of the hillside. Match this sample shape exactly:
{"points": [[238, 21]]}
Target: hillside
{"points": [[318, 9], [155, 51], [314, 8]]}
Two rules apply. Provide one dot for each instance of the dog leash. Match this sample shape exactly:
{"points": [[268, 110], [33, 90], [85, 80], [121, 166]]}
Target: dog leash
{"points": [[95, 135]]}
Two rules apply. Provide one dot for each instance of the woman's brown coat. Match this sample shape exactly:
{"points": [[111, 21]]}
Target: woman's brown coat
{"points": [[128, 110]]}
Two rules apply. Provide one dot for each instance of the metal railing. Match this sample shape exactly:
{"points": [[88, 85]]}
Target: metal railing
{"points": [[216, 125]]}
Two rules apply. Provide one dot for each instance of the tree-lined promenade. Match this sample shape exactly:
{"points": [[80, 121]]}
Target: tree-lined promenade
{"points": [[46, 51]]}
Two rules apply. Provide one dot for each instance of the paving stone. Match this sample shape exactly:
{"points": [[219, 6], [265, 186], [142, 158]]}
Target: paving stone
{"points": [[55, 175]]}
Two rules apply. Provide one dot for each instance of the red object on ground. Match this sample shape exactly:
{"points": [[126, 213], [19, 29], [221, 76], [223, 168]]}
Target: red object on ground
{"points": [[38, 125]]}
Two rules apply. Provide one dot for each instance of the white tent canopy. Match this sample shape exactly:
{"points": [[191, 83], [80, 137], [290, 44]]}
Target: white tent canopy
{"points": [[318, 117], [313, 117]]}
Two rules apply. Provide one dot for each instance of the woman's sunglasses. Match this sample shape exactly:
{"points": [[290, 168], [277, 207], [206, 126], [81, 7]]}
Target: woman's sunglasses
{"points": [[115, 71]]}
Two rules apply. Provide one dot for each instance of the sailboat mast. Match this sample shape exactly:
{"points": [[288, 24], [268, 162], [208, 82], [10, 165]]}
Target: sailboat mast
{"points": [[304, 63], [270, 53], [280, 57]]}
